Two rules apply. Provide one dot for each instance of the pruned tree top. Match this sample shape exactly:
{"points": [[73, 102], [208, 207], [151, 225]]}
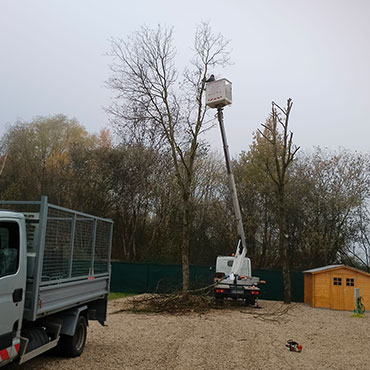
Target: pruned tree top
{"points": [[280, 138]]}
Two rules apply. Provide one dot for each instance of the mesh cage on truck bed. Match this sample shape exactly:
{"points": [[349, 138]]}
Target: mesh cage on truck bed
{"points": [[75, 245], [64, 248]]}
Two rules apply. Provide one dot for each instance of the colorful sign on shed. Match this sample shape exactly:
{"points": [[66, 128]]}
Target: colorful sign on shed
{"points": [[334, 287]]}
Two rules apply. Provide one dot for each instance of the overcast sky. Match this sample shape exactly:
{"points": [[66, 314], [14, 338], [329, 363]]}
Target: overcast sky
{"points": [[316, 52]]}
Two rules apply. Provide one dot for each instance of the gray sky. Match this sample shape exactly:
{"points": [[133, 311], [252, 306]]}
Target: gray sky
{"points": [[316, 52]]}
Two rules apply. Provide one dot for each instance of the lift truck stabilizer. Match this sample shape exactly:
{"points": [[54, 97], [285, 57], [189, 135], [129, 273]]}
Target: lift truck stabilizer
{"points": [[234, 284], [54, 277]]}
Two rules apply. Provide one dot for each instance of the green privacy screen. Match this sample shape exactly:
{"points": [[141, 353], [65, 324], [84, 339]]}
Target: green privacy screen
{"points": [[151, 278]]}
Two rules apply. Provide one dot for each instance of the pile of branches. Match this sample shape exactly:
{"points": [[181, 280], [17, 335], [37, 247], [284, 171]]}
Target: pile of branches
{"points": [[168, 303], [276, 314], [176, 304], [198, 301]]}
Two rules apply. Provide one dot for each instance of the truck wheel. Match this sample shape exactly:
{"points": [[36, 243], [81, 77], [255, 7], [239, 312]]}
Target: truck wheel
{"points": [[73, 345], [37, 338], [250, 301], [219, 300]]}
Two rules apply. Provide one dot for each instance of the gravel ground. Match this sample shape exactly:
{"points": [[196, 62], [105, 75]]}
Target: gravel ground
{"points": [[232, 338]]}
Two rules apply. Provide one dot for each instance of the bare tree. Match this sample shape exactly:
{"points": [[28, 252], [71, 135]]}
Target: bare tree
{"points": [[283, 152], [151, 104], [4, 152], [358, 253], [3, 158]]}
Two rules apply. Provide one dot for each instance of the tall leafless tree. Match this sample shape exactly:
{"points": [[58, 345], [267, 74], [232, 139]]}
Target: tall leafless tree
{"points": [[283, 152], [154, 103]]}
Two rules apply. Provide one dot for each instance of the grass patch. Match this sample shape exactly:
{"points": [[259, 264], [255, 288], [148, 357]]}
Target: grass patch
{"points": [[116, 295], [359, 315]]}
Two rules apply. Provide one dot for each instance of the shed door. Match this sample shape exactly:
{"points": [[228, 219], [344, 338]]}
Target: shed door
{"points": [[342, 291], [337, 296], [349, 283]]}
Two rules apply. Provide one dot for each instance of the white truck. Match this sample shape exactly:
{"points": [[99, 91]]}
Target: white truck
{"points": [[225, 263], [232, 281], [54, 277], [243, 285]]}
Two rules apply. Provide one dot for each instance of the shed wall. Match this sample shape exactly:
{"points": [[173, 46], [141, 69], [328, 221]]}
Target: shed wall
{"points": [[364, 285], [308, 289], [321, 290], [342, 271]]}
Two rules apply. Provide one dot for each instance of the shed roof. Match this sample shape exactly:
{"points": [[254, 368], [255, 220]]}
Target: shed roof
{"points": [[324, 268], [334, 267]]}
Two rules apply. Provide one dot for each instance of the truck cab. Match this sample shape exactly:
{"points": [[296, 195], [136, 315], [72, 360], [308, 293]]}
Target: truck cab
{"points": [[12, 282], [224, 265]]}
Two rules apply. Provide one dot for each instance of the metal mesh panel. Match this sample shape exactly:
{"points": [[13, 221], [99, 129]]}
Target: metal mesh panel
{"points": [[72, 244], [101, 256], [83, 246], [57, 245]]}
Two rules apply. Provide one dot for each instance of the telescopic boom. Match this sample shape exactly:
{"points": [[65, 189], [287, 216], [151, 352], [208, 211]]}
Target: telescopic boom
{"points": [[241, 248]]}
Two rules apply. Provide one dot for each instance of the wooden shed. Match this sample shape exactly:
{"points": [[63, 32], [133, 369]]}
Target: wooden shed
{"points": [[333, 287]]}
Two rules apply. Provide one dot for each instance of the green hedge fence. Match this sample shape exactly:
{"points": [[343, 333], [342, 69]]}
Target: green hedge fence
{"points": [[150, 278]]}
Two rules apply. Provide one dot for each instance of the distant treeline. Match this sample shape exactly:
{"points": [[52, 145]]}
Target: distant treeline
{"points": [[134, 184]]}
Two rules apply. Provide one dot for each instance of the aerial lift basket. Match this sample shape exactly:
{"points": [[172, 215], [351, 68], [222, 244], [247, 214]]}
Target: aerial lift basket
{"points": [[218, 93]]}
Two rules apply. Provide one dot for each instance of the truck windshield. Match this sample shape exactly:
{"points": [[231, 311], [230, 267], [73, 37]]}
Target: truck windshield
{"points": [[9, 248]]}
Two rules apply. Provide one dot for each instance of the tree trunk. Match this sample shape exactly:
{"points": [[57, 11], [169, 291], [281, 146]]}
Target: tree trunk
{"points": [[185, 247], [285, 268], [283, 246], [262, 262]]}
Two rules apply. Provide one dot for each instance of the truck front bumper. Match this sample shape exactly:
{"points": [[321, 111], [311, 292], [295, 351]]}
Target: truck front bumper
{"points": [[8, 354]]}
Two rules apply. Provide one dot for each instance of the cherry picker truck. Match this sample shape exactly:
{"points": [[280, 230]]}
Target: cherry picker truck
{"points": [[238, 282]]}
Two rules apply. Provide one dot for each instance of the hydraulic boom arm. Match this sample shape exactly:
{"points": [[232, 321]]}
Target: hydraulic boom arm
{"points": [[241, 249]]}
